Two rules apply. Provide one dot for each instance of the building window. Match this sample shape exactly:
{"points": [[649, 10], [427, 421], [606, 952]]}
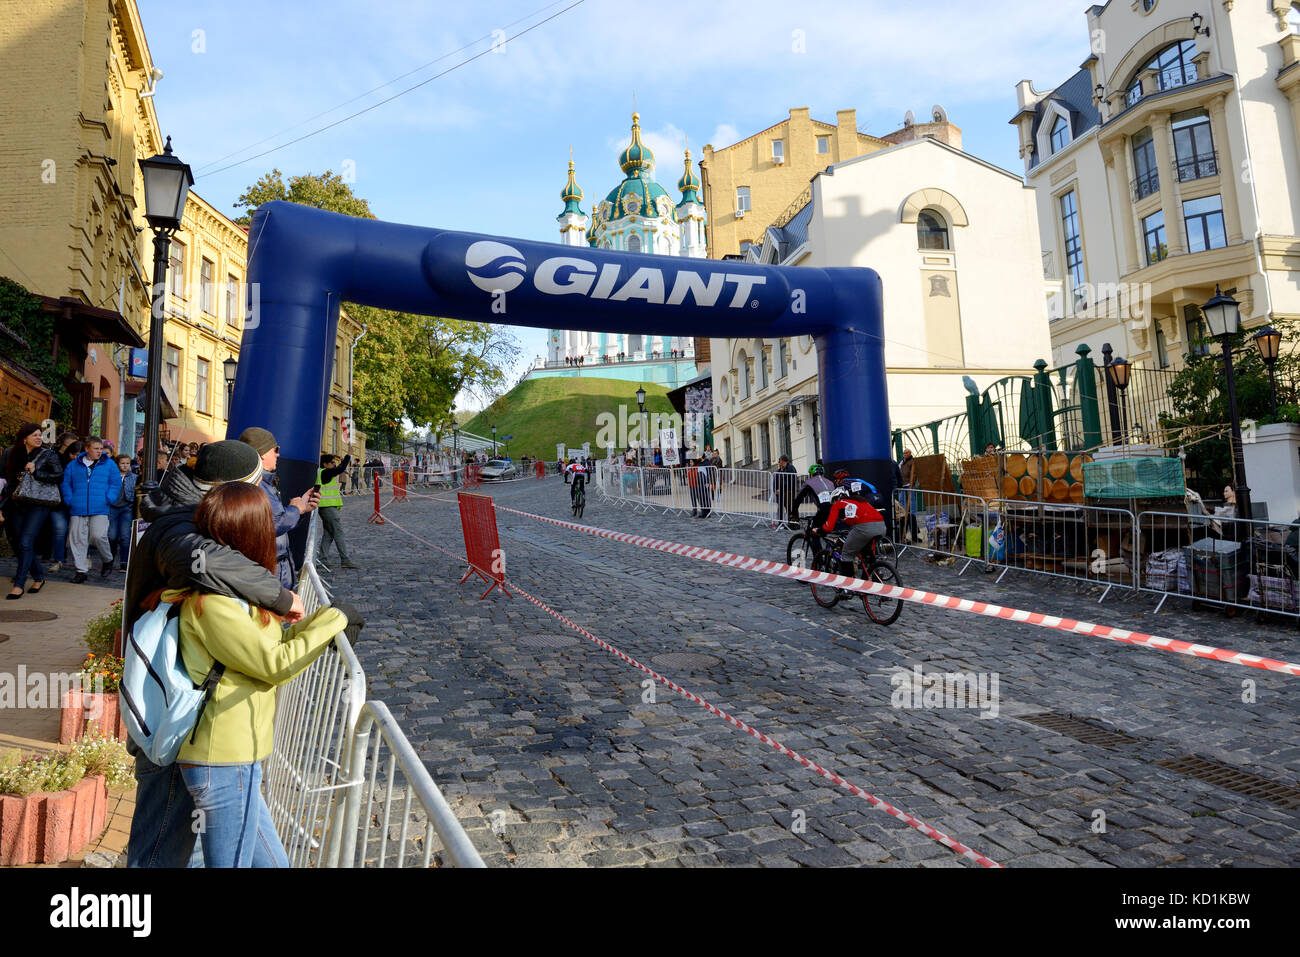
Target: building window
{"points": [[207, 287], [1293, 18], [634, 243], [1194, 147], [1148, 5], [334, 437], [748, 447], [742, 199], [1204, 219], [931, 230], [232, 301], [201, 386], [1060, 134], [176, 269], [823, 144], [172, 360], [783, 359], [762, 368], [1157, 244], [726, 454], [338, 363], [1144, 165], [1174, 67], [1198, 335], [1162, 350], [1073, 249], [778, 151]]}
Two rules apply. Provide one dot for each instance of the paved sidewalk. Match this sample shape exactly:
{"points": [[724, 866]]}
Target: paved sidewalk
{"points": [[552, 752], [53, 645]]}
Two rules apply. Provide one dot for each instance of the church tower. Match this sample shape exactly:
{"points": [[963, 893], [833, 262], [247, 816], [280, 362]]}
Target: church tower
{"points": [[690, 213], [573, 221]]}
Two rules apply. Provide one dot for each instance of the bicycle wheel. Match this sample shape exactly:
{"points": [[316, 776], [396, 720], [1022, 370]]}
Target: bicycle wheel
{"points": [[581, 504], [799, 552], [881, 609], [824, 595]]}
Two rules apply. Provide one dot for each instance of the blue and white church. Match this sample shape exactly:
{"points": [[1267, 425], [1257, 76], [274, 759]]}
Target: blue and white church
{"points": [[637, 216]]}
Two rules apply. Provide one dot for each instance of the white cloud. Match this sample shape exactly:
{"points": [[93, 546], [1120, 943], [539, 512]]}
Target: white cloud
{"points": [[724, 135]]}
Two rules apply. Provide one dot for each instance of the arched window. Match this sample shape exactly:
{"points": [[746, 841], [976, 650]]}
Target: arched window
{"points": [[1174, 67], [1060, 134], [1293, 18], [931, 230], [743, 367], [761, 378], [634, 243]]}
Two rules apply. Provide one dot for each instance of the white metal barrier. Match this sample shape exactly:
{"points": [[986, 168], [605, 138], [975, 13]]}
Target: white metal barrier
{"points": [[322, 748], [748, 494]]}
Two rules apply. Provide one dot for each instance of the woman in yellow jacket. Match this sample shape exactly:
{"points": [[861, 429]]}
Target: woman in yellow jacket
{"points": [[221, 764]]}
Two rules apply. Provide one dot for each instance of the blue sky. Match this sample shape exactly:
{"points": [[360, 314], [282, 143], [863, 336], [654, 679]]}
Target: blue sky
{"points": [[486, 147]]}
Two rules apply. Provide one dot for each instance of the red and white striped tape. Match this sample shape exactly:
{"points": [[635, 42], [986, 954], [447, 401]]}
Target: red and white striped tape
{"points": [[849, 786], [987, 609]]}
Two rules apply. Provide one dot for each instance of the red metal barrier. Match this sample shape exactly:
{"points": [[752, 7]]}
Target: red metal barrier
{"points": [[478, 520], [541, 470], [377, 518], [473, 476], [399, 485]]}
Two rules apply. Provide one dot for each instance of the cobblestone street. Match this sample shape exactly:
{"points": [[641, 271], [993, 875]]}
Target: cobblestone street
{"points": [[553, 752]]}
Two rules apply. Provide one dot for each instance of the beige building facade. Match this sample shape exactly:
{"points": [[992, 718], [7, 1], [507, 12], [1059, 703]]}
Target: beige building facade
{"points": [[1169, 164], [76, 117], [955, 241]]}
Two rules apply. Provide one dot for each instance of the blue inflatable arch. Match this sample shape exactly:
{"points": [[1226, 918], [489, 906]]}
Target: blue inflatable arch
{"points": [[303, 262]]}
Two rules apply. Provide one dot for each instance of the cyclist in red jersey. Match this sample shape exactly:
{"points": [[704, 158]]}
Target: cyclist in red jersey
{"points": [[850, 508]]}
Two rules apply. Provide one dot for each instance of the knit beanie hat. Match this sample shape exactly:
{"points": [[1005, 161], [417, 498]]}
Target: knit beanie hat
{"points": [[259, 439], [227, 461]]}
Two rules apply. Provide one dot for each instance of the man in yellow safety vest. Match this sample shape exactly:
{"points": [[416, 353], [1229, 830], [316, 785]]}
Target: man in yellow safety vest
{"points": [[331, 504]]}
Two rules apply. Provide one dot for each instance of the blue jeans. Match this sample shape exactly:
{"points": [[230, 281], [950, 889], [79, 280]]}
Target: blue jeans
{"points": [[163, 825], [119, 531], [31, 518], [59, 533], [235, 823]]}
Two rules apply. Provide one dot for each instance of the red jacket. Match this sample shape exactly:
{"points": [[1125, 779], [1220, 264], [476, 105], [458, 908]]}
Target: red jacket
{"points": [[853, 512]]}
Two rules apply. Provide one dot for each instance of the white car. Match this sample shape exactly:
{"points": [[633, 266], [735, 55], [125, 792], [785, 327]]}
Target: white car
{"points": [[499, 470]]}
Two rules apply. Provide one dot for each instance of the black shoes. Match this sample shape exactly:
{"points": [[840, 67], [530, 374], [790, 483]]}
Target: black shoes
{"points": [[78, 578], [106, 570]]}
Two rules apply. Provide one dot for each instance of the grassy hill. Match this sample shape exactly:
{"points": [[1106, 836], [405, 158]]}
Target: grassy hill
{"points": [[541, 412]]}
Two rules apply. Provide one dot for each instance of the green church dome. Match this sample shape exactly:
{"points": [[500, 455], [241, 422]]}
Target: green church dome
{"points": [[572, 195]]}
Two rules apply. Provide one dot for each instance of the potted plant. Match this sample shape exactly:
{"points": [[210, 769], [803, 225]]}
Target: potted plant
{"points": [[53, 805], [94, 699]]}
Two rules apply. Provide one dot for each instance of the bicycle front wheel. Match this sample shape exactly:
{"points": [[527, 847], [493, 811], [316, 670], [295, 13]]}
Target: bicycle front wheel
{"points": [[880, 608], [799, 552], [824, 595]]}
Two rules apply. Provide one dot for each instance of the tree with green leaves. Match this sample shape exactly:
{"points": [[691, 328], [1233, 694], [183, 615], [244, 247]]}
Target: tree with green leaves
{"points": [[1200, 403], [407, 366]]}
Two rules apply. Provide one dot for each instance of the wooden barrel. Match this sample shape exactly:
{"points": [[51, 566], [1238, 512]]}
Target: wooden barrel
{"points": [[1058, 464], [1015, 464], [1076, 493], [1010, 487], [1076, 466], [1033, 465], [1027, 485], [1059, 491]]}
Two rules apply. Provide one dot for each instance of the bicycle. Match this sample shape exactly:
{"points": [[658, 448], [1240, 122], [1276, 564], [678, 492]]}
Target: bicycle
{"points": [[868, 566], [578, 495]]}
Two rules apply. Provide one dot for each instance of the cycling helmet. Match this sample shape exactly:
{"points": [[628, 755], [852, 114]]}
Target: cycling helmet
{"points": [[841, 475], [838, 493], [817, 469]]}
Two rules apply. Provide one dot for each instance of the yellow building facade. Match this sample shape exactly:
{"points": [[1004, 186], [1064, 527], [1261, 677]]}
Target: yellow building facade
{"points": [[748, 186], [77, 116]]}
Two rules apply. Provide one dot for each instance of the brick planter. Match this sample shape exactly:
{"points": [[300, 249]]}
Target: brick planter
{"points": [[49, 828], [83, 710]]}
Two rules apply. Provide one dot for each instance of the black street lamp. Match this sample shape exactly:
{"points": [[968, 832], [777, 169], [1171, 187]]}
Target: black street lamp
{"points": [[1223, 316], [167, 183], [1117, 373], [1268, 340], [640, 404], [494, 441], [230, 367]]}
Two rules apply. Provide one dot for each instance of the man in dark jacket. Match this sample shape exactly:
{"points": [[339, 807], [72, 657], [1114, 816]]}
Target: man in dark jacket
{"points": [[785, 485], [286, 516], [172, 554]]}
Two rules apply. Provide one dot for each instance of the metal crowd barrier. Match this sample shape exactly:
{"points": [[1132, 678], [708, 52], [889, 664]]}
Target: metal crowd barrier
{"points": [[746, 494], [322, 747], [380, 810], [1088, 543], [940, 523]]}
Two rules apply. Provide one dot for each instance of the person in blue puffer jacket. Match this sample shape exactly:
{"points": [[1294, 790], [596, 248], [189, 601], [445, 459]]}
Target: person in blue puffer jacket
{"points": [[91, 484]]}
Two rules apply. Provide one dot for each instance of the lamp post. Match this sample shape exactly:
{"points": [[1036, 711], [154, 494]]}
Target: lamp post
{"points": [[230, 367], [1223, 316], [640, 404], [494, 441], [167, 183], [1117, 374], [1268, 340]]}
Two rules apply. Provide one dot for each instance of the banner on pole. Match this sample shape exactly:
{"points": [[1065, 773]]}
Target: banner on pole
{"points": [[668, 445]]}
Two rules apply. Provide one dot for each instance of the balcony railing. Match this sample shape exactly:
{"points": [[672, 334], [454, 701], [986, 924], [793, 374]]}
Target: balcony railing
{"points": [[1146, 184], [1198, 167], [1180, 74]]}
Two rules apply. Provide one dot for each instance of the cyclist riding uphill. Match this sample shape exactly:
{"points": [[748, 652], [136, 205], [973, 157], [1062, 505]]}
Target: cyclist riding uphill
{"points": [[851, 510], [816, 491], [577, 470]]}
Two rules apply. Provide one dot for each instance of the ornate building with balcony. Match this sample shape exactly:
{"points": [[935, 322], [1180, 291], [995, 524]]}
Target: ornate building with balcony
{"points": [[1167, 165]]}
